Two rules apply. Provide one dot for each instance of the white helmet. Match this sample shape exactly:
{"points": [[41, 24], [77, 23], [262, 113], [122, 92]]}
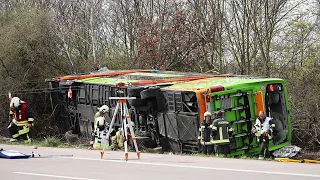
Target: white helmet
{"points": [[100, 121], [104, 109], [15, 102], [207, 114]]}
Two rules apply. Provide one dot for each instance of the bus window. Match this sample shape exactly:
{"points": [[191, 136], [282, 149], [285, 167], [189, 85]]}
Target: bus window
{"points": [[189, 101]]}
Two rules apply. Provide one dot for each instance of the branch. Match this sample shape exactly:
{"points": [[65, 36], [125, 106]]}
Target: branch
{"points": [[5, 68]]}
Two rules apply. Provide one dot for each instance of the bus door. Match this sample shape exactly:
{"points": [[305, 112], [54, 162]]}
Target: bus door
{"points": [[239, 109]]}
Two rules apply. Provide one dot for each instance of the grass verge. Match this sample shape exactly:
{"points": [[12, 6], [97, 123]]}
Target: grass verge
{"points": [[46, 142]]}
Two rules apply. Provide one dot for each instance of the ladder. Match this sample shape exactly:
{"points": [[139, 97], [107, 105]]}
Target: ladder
{"points": [[126, 122]]}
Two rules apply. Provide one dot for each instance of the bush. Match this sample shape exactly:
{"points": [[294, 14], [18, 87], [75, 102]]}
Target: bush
{"points": [[52, 142], [305, 102]]}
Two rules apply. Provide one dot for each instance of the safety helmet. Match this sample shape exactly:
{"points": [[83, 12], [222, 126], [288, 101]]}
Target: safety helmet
{"points": [[104, 109], [100, 121], [207, 114], [15, 102]]}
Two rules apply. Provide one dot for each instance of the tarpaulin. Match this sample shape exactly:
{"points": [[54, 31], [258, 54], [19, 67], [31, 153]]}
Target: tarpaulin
{"points": [[12, 154], [287, 151]]}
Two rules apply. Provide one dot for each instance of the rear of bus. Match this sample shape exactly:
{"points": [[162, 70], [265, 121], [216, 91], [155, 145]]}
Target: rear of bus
{"points": [[241, 100]]}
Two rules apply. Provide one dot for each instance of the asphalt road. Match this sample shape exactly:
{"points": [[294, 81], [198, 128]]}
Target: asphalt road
{"points": [[87, 165]]}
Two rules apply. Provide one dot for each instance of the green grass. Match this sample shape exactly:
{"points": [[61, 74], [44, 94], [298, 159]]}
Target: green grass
{"points": [[46, 142], [51, 142]]}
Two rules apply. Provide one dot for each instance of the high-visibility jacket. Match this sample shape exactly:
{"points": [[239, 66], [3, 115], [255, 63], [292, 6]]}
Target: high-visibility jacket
{"points": [[100, 131], [22, 114], [205, 131], [221, 131], [100, 138]]}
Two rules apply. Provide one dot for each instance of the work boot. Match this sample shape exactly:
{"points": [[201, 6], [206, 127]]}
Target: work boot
{"points": [[27, 141], [13, 140], [261, 157]]}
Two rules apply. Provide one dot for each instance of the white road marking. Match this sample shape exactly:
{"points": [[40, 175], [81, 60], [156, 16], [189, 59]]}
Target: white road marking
{"points": [[198, 167], [55, 176]]}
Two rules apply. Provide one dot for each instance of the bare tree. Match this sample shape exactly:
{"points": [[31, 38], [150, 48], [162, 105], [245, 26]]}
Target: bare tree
{"points": [[209, 15], [242, 42]]}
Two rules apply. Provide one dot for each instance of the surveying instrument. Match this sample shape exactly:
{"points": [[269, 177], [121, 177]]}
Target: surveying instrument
{"points": [[125, 121]]}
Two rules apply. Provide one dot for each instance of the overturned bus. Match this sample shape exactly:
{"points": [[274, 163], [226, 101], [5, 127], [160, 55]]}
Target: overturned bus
{"points": [[169, 106]]}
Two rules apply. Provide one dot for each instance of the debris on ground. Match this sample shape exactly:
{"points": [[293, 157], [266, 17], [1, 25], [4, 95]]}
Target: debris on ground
{"points": [[287, 151], [71, 138], [12, 154]]}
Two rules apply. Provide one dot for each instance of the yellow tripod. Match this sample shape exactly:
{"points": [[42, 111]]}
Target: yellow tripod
{"points": [[126, 120]]}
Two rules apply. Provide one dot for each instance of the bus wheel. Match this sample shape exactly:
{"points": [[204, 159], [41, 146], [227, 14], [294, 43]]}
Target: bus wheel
{"points": [[148, 93], [135, 91], [138, 102]]}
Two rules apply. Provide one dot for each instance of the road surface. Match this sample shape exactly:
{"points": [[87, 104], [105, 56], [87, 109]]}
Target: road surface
{"points": [[87, 165]]}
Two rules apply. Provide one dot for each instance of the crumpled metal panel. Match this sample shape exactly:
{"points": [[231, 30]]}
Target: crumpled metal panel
{"points": [[171, 126], [187, 126], [87, 111], [161, 124], [86, 119]]}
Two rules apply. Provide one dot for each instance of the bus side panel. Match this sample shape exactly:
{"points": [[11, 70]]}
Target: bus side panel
{"points": [[259, 102], [188, 127]]}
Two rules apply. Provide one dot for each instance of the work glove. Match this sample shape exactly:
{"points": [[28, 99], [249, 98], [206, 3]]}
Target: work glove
{"points": [[253, 131], [30, 124], [198, 142]]}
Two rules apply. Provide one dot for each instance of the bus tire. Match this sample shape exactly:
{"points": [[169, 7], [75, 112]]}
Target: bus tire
{"points": [[149, 93], [135, 91], [138, 102]]}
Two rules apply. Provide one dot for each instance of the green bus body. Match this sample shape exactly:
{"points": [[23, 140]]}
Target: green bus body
{"points": [[279, 111]]}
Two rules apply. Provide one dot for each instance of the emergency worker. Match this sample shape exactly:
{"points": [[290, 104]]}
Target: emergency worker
{"points": [[117, 140], [22, 120], [262, 130], [100, 128], [205, 138], [221, 132]]}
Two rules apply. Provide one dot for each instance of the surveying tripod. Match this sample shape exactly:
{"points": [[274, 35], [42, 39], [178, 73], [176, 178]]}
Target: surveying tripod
{"points": [[126, 123]]}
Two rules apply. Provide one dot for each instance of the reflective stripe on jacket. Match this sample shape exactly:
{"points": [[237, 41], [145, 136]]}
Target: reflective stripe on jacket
{"points": [[221, 131], [22, 113], [205, 131]]}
